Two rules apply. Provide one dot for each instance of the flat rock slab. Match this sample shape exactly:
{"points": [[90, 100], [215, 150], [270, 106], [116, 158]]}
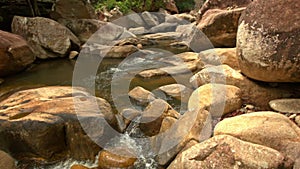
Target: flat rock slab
{"points": [[286, 105]]}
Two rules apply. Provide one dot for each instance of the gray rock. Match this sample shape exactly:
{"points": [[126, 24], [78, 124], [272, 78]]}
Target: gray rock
{"points": [[164, 27], [138, 31], [150, 19], [286, 105]]}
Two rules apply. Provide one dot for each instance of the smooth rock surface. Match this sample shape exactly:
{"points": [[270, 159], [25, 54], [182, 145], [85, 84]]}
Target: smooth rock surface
{"points": [[178, 91], [48, 38], [43, 122], [286, 105], [15, 53], [228, 152], [6, 162], [141, 95], [218, 99], [221, 26], [108, 160], [265, 128], [268, 44]]}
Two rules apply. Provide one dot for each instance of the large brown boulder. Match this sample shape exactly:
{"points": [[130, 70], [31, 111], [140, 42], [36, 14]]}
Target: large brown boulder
{"points": [[43, 123], [48, 38], [228, 152], [268, 41], [15, 54], [265, 128], [220, 26]]}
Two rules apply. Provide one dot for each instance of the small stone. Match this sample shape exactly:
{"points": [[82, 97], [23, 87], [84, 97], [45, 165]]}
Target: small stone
{"points": [[286, 105], [178, 91], [140, 46], [73, 54]]}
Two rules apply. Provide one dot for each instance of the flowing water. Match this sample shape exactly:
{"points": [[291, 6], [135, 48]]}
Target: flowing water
{"points": [[60, 72]]}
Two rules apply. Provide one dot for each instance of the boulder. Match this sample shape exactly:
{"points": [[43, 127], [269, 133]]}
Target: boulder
{"points": [[265, 128], [218, 99], [220, 26], [220, 56], [52, 111], [108, 160], [78, 166], [150, 19], [73, 9], [268, 44], [154, 114], [82, 28], [252, 92], [48, 38], [7, 161], [141, 95], [222, 4], [15, 53], [163, 27], [177, 91], [229, 152], [178, 134], [138, 30]]}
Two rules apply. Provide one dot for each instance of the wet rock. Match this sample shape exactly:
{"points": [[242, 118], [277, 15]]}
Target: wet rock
{"points": [[141, 95], [218, 99], [220, 56], [251, 92], [150, 19], [178, 91], [6, 161], [82, 28], [228, 152], [265, 128], [153, 116], [108, 160], [163, 27], [220, 26], [222, 4], [129, 114], [169, 70], [15, 54], [286, 105], [52, 110], [47, 38], [73, 9], [268, 46]]}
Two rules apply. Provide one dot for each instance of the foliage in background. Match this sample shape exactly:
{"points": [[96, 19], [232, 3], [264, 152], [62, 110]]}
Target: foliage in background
{"points": [[128, 5], [185, 5]]}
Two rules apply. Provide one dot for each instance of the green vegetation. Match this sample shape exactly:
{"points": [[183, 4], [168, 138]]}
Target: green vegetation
{"points": [[185, 5], [128, 5]]}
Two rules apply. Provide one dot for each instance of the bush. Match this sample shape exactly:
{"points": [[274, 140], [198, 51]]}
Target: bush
{"points": [[127, 5]]}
